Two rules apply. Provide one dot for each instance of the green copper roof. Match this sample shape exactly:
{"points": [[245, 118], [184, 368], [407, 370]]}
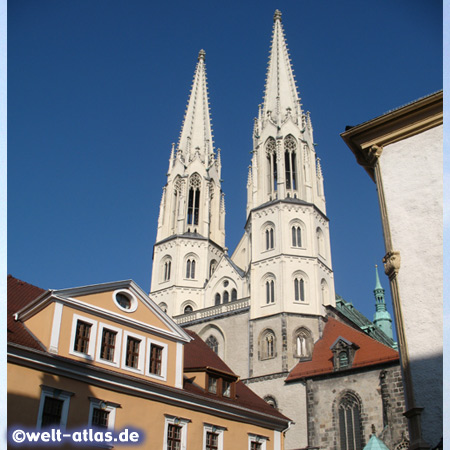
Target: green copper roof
{"points": [[377, 279], [375, 444]]}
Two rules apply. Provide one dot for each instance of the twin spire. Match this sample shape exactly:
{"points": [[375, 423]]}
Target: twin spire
{"points": [[196, 132]]}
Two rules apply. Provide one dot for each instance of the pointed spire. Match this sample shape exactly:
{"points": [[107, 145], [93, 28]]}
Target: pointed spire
{"points": [[196, 133], [319, 169], [382, 318], [281, 91], [377, 279]]}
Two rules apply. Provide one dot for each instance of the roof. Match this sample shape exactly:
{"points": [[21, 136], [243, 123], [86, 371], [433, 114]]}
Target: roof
{"points": [[20, 294], [375, 444], [197, 355], [370, 352]]}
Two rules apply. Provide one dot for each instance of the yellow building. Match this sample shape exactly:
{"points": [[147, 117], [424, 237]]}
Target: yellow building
{"points": [[106, 356]]}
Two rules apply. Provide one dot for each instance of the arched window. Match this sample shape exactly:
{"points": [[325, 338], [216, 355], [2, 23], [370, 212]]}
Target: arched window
{"points": [[324, 291], [270, 242], [188, 309], [270, 291], [194, 200], [163, 306], [190, 268], [349, 411], [213, 344], [303, 343], [299, 289], [212, 267], [267, 345], [296, 236], [290, 162], [233, 295], [226, 297], [217, 299], [272, 173], [167, 269], [320, 242]]}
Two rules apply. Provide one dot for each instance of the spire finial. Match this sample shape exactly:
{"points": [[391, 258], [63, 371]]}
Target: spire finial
{"points": [[201, 55], [277, 15], [377, 279]]}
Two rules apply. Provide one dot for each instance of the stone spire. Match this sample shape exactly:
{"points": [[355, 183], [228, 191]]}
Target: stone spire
{"points": [[196, 133], [281, 97], [382, 318]]}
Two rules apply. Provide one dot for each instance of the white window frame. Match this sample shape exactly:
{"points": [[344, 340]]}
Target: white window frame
{"points": [[165, 347], [260, 439], [106, 406], [130, 296], [117, 348], [47, 391], [92, 337], [213, 429], [183, 423], [142, 358]]}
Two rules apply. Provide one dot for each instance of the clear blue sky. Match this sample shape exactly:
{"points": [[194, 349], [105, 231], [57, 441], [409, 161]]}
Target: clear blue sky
{"points": [[97, 92]]}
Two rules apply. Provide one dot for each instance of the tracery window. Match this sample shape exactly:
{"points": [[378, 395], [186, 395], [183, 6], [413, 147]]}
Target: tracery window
{"points": [[212, 267], [194, 200], [299, 289], [213, 344], [190, 268], [303, 343], [290, 162], [296, 236], [272, 173], [267, 345], [270, 242], [167, 269], [349, 411], [270, 291]]}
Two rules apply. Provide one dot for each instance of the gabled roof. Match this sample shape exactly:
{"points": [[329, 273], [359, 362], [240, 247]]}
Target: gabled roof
{"points": [[370, 352], [197, 355], [20, 294]]}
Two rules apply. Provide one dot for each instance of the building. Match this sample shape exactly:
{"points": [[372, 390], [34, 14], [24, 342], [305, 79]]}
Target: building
{"points": [[402, 153], [106, 356], [274, 295]]}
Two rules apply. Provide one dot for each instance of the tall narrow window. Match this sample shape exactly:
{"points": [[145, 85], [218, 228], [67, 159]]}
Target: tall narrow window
{"points": [[82, 335], [190, 268], [108, 344], [299, 289], [167, 269], [270, 291], [226, 297], [267, 345], [132, 356], [213, 344], [290, 163], [173, 437], [194, 200], [233, 295], [296, 236], [350, 423], [272, 172], [217, 300], [212, 441], [270, 240], [52, 411], [303, 343], [155, 359]]}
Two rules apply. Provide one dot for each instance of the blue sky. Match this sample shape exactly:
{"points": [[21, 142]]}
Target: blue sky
{"points": [[97, 92]]}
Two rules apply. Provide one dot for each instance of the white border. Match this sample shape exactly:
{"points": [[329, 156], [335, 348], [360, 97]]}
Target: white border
{"points": [[117, 347], [164, 346], [130, 296], [141, 361], [183, 423], [64, 396], [260, 439], [213, 429], [95, 403], [92, 337]]}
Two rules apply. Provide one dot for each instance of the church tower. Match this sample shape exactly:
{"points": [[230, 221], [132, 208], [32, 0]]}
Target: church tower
{"points": [[286, 246], [191, 224], [382, 318]]}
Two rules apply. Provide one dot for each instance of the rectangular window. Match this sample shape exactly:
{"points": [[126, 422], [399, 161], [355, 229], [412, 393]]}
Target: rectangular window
{"points": [[82, 335], [212, 441], [155, 359], [255, 445], [108, 344], [226, 388], [212, 385], [100, 418], [132, 357], [52, 412], [173, 437]]}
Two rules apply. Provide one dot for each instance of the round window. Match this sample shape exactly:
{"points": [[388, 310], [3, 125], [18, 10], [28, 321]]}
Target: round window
{"points": [[226, 283], [125, 300]]}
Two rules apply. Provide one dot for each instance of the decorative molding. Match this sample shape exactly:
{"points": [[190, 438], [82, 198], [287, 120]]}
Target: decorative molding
{"points": [[392, 263]]}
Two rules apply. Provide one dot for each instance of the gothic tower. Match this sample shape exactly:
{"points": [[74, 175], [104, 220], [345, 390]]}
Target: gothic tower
{"points": [[191, 234], [286, 246], [382, 318]]}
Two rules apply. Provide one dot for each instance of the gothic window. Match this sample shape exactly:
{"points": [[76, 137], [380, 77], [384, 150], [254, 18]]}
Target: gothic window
{"points": [[272, 173], [233, 295], [212, 267], [176, 203], [226, 297], [213, 344], [299, 289], [349, 411], [267, 345], [270, 241], [290, 162], [303, 343], [296, 236], [270, 291], [188, 309], [217, 299], [167, 269], [190, 268], [194, 200], [163, 306], [320, 242], [324, 291]]}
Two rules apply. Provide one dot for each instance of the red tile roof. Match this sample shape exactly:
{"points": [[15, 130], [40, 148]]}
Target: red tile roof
{"points": [[370, 352], [197, 355], [19, 295]]}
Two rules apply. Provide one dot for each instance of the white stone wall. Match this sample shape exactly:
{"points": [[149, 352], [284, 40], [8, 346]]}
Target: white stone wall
{"points": [[412, 179]]}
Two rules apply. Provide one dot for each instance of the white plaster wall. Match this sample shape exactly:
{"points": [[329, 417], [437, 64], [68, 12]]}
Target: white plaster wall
{"points": [[412, 179]]}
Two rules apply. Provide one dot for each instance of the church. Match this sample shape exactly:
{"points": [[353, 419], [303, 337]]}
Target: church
{"points": [[269, 309]]}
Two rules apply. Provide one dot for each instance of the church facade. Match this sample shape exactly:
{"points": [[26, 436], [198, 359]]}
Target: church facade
{"points": [[265, 308]]}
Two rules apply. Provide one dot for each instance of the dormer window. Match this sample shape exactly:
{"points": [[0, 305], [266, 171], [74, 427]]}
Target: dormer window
{"points": [[343, 353], [212, 385], [220, 384]]}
